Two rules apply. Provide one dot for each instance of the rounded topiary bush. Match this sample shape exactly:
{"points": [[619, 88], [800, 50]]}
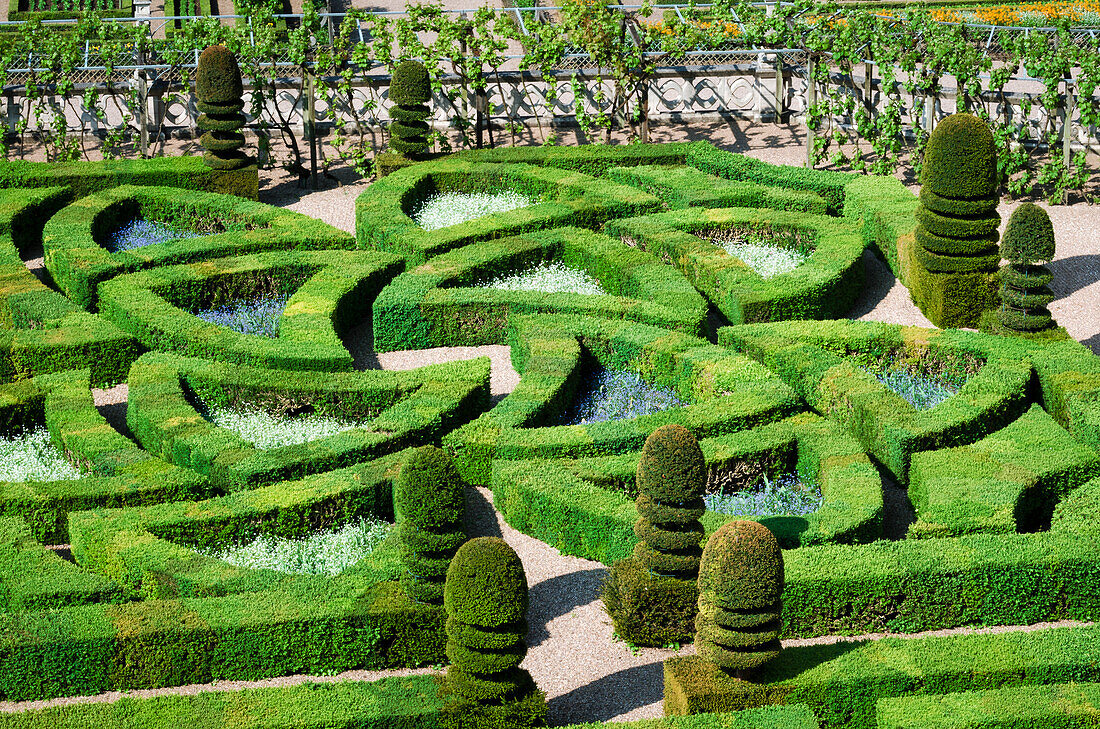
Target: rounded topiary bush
{"points": [[670, 478], [740, 589], [219, 88], [410, 91], [1025, 293], [960, 160], [486, 603], [429, 499], [957, 216]]}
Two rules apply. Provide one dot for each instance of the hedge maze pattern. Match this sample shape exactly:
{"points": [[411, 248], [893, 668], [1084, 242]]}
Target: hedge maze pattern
{"points": [[1004, 476]]}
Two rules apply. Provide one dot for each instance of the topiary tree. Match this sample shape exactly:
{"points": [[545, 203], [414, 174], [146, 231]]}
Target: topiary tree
{"points": [[671, 476], [1025, 292], [410, 91], [957, 220], [652, 597], [486, 603], [429, 501], [219, 89], [740, 585]]}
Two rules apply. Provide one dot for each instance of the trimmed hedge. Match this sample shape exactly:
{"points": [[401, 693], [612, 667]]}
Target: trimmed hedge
{"points": [[265, 624], [823, 287], [727, 392], [119, 473], [40, 330], [74, 239], [335, 293], [829, 185], [409, 702], [842, 683], [405, 408], [86, 178], [810, 357], [565, 198], [684, 187], [1005, 482], [36, 578], [582, 507], [440, 303], [1058, 706]]}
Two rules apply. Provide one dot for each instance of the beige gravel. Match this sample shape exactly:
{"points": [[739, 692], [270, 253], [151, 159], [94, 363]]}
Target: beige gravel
{"points": [[586, 674]]}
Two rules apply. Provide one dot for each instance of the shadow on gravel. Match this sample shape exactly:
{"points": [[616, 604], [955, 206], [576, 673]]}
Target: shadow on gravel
{"points": [[609, 696], [481, 517], [1074, 273], [877, 283], [559, 596]]}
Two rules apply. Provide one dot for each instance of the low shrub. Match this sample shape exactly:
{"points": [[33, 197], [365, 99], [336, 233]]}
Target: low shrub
{"points": [[824, 286], [1057, 706]]}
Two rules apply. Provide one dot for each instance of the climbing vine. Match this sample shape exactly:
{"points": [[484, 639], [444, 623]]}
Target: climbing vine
{"points": [[342, 62]]}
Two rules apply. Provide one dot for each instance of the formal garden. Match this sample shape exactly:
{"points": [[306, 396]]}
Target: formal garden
{"points": [[785, 516]]}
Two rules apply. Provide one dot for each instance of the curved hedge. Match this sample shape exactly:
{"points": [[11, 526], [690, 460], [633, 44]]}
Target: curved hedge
{"points": [[804, 355], [118, 473], [823, 287], [584, 507], [564, 198], [338, 289], [40, 330], [439, 303], [726, 392], [687, 187], [405, 408], [74, 239]]}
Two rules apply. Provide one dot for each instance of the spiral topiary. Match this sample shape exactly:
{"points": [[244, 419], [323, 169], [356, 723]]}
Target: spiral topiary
{"points": [[410, 91], [740, 585], [670, 478], [219, 88], [486, 603], [429, 498], [957, 216], [1028, 243]]}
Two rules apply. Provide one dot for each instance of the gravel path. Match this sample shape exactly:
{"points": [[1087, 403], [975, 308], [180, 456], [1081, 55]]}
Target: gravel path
{"points": [[586, 674]]}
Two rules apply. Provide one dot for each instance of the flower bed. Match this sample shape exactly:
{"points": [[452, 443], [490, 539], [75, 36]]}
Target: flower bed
{"points": [[444, 209]]}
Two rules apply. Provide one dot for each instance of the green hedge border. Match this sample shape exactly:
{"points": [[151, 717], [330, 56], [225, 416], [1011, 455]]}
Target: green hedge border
{"points": [[154, 306], [408, 408], [581, 506], [809, 357], [685, 187], [78, 262], [40, 330], [360, 619], [842, 683], [566, 198], [120, 473], [726, 392], [438, 303], [1056, 706], [824, 287]]}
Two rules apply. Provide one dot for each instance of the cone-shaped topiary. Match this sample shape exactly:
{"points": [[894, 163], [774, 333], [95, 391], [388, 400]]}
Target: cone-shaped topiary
{"points": [[1028, 243], [670, 478], [740, 585], [429, 498], [957, 216], [219, 88], [486, 603], [410, 91]]}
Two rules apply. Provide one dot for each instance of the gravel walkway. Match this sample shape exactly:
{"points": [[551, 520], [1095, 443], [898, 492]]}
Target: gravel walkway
{"points": [[586, 674]]}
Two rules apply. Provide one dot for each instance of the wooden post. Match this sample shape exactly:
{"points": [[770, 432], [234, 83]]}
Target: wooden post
{"points": [[811, 99], [311, 127], [778, 88], [479, 115], [143, 113], [1067, 129], [869, 87], [643, 105]]}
